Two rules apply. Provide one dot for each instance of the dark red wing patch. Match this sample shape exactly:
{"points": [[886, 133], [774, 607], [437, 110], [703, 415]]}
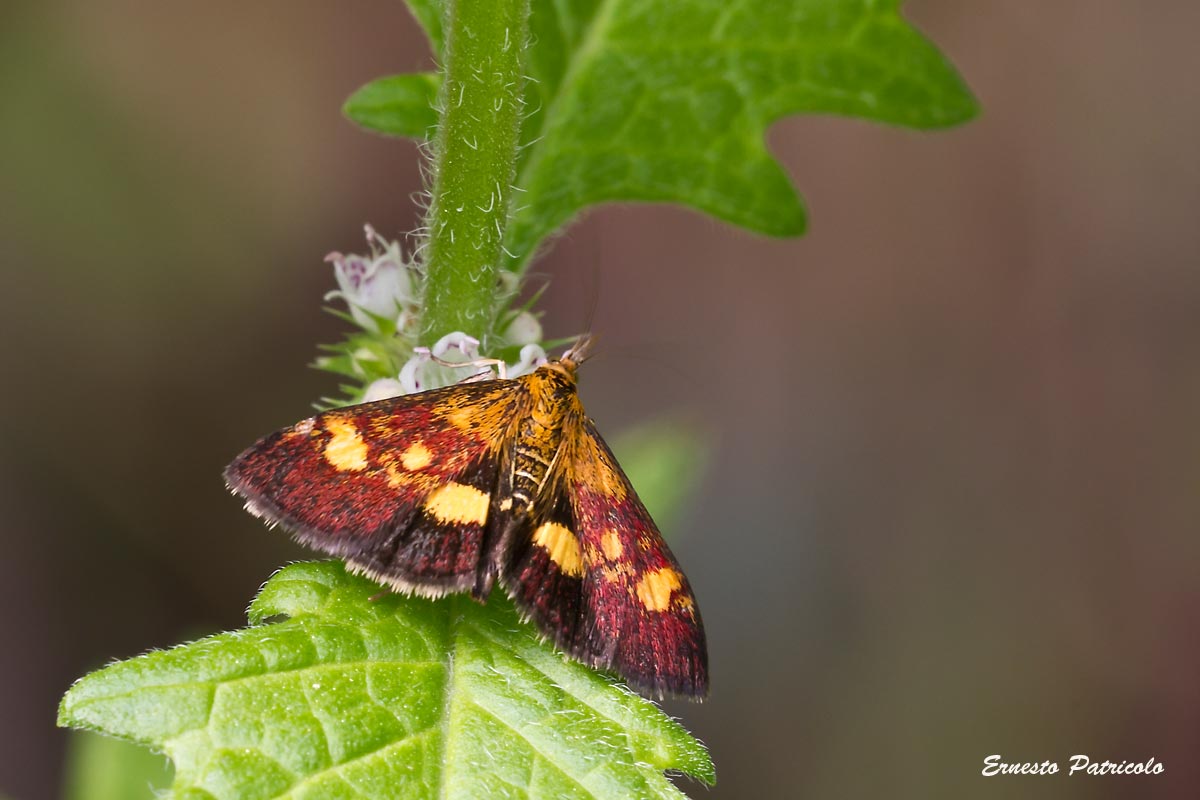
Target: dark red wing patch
{"points": [[640, 616], [542, 571], [400, 488]]}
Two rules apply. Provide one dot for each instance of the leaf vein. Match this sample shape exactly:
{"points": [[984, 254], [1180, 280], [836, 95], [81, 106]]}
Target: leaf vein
{"points": [[336, 769]]}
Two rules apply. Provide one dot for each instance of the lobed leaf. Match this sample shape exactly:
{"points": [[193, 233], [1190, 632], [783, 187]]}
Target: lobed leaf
{"points": [[346, 697], [634, 100]]}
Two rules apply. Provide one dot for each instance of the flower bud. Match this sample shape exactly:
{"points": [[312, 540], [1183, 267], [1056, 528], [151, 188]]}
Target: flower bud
{"points": [[382, 389], [524, 329]]}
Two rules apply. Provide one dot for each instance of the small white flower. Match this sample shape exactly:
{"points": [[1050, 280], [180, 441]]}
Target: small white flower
{"points": [[411, 376], [421, 372], [379, 284], [532, 356], [467, 347]]}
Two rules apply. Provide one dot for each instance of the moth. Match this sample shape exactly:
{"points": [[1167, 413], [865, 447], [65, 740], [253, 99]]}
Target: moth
{"points": [[496, 481]]}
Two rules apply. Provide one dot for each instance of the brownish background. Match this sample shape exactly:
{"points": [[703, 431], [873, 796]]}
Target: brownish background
{"points": [[953, 504]]}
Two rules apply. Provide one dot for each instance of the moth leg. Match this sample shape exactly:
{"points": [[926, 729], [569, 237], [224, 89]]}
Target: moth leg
{"points": [[490, 363]]}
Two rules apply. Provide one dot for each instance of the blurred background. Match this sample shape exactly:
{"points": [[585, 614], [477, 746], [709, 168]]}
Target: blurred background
{"points": [[952, 502]]}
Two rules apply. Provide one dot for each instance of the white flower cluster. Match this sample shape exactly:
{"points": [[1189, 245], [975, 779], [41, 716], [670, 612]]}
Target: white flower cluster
{"points": [[382, 292], [443, 364]]}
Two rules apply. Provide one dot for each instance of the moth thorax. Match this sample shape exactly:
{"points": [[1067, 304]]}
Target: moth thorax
{"points": [[540, 434], [533, 455]]}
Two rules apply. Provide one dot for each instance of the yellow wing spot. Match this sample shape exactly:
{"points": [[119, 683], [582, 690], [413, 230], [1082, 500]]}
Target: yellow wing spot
{"points": [[595, 470], [462, 418], [486, 419], [560, 543], [506, 504], [610, 543], [655, 588], [417, 456], [618, 573], [456, 502], [345, 450], [396, 478]]}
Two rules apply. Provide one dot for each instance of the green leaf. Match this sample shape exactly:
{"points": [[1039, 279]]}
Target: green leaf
{"points": [[669, 100], [429, 14], [394, 698], [103, 768], [401, 105]]}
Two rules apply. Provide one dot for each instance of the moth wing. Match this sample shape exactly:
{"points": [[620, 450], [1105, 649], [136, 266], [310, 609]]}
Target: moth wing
{"points": [[401, 488], [542, 570], [598, 579]]}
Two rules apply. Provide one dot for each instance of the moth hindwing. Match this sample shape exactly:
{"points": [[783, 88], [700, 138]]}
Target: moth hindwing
{"points": [[453, 489]]}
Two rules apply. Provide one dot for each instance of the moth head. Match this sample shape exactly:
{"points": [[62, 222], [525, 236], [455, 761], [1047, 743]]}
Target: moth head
{"points": [[578, 353]]}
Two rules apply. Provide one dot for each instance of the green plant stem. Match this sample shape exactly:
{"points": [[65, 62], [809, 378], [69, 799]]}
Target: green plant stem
{"points": [[475, 156]]}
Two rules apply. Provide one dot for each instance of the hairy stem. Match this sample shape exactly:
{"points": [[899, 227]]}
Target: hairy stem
{"points": [[475, 156]]}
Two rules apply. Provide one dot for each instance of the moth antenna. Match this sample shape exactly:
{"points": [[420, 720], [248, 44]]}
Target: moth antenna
{"points": [[597, 277], [580, 351]]}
